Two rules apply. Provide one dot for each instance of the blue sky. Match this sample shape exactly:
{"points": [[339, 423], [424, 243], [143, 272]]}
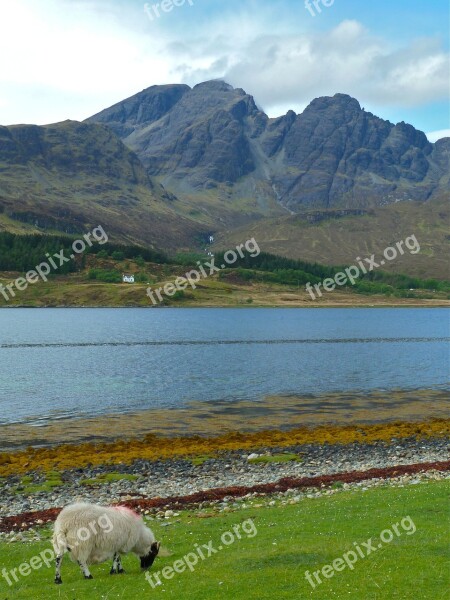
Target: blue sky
{"points": [[70, 58]]}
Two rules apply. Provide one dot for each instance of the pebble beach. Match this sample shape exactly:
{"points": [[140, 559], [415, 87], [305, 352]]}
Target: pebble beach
{"points": [[142, 480]]}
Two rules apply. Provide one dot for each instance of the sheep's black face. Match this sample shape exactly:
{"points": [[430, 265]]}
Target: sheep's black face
{"points": [[148, 560]]}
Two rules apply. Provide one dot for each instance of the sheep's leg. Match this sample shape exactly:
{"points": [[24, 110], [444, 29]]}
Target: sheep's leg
{"points": [[113, 568], [120, 569], [117, 565], [114, 564], [85, 570], [59, 558]]}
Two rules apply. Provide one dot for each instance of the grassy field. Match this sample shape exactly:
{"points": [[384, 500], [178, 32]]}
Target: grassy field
{"points": [[276, 548], [75, 290]]}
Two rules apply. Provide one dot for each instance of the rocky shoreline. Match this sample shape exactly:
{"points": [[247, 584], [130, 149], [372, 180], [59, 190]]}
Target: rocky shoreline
{"points": [[139, 483]]}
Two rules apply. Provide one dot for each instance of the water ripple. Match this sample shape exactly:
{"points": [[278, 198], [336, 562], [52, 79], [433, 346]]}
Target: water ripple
{"points": [[226, 342]]}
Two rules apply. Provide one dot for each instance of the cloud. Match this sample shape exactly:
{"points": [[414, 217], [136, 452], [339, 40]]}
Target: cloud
{"points": [[283, 71], [61, 60], [434, 136], [69, 59]]}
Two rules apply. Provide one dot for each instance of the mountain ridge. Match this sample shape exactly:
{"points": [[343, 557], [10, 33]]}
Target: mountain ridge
{"points": [[333, 154], [172, 163]]}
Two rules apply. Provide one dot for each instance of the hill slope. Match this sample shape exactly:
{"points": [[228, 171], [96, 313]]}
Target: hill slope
{"points": [[70, 176], [337, 237]]}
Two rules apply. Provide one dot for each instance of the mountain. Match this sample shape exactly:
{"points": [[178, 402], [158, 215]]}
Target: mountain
{"points": [[196, 134], [173, 163], [335, 155], [70, 176]]}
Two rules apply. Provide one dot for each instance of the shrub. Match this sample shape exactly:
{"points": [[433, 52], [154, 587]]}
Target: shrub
{"points": [[140, 261], [105, 276], [179, 295]]}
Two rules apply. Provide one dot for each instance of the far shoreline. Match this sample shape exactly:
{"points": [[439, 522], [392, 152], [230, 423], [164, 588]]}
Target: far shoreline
{"points": [[423, 304]]}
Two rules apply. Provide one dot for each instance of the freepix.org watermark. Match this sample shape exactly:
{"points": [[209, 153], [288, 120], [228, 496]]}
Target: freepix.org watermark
{"points": [[166, 6], [352, 273], [363, 550], [205, 269], [202, 552], [314, 6], [53, 263], [47, 556]]}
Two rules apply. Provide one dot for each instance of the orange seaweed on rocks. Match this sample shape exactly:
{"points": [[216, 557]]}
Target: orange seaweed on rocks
{"points": [[153, 447]]}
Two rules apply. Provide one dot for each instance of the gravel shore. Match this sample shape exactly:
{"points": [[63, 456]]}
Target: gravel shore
{"points": [[170, 478]]}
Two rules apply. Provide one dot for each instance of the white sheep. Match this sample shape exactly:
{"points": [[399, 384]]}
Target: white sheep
{"points": [[93, 534]]}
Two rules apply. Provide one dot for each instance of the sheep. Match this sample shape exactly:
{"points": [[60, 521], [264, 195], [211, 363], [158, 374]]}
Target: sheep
{"points": [[93, 534]]}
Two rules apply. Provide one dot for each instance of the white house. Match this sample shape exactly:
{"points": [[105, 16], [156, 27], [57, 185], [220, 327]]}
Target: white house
{"points": [[127, 278]]}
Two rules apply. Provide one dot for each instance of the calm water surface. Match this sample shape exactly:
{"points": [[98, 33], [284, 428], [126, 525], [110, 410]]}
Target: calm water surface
{"points": [[77, 362]]}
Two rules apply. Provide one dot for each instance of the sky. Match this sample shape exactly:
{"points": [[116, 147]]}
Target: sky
{"points": [[69, 59]]}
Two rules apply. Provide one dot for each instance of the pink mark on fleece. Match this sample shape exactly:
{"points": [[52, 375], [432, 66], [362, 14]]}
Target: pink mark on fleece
{"points": [[127, 511]]}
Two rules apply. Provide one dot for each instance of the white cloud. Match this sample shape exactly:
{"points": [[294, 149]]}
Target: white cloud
{"points": [[291, 70], [61, 60], [434, 136], [69, 59]]}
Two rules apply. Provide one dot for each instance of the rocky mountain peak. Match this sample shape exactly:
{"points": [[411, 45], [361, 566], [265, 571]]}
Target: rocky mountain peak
{"points": [[333, 154]]}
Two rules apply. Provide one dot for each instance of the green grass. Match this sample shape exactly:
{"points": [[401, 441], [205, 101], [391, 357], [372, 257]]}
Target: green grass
{"points": [[276, 458], [290, 539], [108, 478], [198, 461], [27, 486]]}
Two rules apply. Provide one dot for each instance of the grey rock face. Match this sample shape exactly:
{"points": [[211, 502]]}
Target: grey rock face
{"points": [[143, 108], [333, 155]]}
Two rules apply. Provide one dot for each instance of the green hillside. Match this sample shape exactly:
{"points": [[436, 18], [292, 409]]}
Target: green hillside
{"points": [[71, 177], [338, 237]]}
